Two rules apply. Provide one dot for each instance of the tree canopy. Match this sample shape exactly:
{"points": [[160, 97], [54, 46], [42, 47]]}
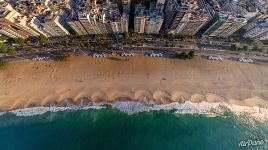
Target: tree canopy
{"points": [[64, 57], [170, 36], [7, 50], [250, 40], [19, 41], [2, 64], [42, 39], [126, 35]]}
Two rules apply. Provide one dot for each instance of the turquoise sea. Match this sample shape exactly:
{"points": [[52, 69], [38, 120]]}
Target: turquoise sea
{"points": [[111, 129]]}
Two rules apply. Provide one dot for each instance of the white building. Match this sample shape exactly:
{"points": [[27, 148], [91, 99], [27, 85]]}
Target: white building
{"points": [[54, 24], [258, 29], [140, 19], [154, 23]]}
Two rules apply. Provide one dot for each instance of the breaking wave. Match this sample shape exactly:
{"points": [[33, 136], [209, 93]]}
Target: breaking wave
{"points": [[188, 107]]}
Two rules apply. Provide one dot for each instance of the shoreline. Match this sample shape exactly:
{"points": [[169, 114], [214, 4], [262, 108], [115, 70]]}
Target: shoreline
{"points": [[130, 108], [27, 84]]}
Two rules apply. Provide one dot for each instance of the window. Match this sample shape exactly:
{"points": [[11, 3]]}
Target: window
{"points": [[14, 27]]}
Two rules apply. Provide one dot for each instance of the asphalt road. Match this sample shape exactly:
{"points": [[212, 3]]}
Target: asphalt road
{"points": [[166, 51]]}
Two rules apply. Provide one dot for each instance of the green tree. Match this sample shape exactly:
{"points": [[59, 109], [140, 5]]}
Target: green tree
{"points": [[42, 39], [191, 54], [182, 37], [250, 40], [231, 39], [108, 45], [126, 35], [11, 51], [258, 49], [7, 50], [265, 42], [3, 64], [170, 36], [61, 47], [234, 47], [19, 41], [3, 48], [3, 38], [64, 57], [98, 36], [245, 48], [182, 55]]}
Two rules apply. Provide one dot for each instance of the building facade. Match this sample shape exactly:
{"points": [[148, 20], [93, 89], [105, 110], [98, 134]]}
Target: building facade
{"points": [[55, 24], [13, 24], [140, 18], [154, 23]]}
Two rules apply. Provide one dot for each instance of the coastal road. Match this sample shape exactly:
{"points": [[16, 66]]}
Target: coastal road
{"points": [[167, 51]]}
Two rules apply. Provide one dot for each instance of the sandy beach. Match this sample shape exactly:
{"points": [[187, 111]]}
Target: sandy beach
{"points": [[160, 80]]}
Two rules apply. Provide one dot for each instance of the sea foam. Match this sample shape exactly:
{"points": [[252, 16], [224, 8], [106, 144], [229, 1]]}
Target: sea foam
{"points": [[136, 107]]}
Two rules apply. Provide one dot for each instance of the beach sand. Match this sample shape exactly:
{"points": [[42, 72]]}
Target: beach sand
{"points": [[161, 80]]}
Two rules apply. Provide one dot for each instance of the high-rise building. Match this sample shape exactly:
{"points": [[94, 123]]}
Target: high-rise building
{"points": [[154, 23], [13, 24], [229, 5], [55, 24], [74, 22], [126, 5], [35, 25], [231, 25], [77, 26], [175, 12], [237, 23], [192, 22], [84, 18], [140, 18], [99, 18], [161, 2], [120, 24], [218, 19], [258, 29]]}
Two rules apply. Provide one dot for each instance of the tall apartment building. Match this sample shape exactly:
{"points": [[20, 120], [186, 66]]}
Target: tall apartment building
{"points": [[74, 22], [218, 19], [99, 18], [175, 11], [84, 19], [35, 25], [231, 25], [161, 2], [55, 24], [120, 24], [192, 22], [102, 25], [77, 26], [211, 6], [258, 29], [238, 23], [154, 23], [140, 18], [126, 6], [185, 17], [13, 24], [229, 5]]}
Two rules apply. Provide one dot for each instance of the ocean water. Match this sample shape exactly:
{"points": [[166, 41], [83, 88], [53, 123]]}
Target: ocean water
{"points": [[111, 129]]}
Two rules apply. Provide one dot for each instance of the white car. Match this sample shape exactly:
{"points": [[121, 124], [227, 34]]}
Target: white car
{"points": [[98, 55], [215, 58], [127, 54], [245, 60], [40, 58], [153, 54]]}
